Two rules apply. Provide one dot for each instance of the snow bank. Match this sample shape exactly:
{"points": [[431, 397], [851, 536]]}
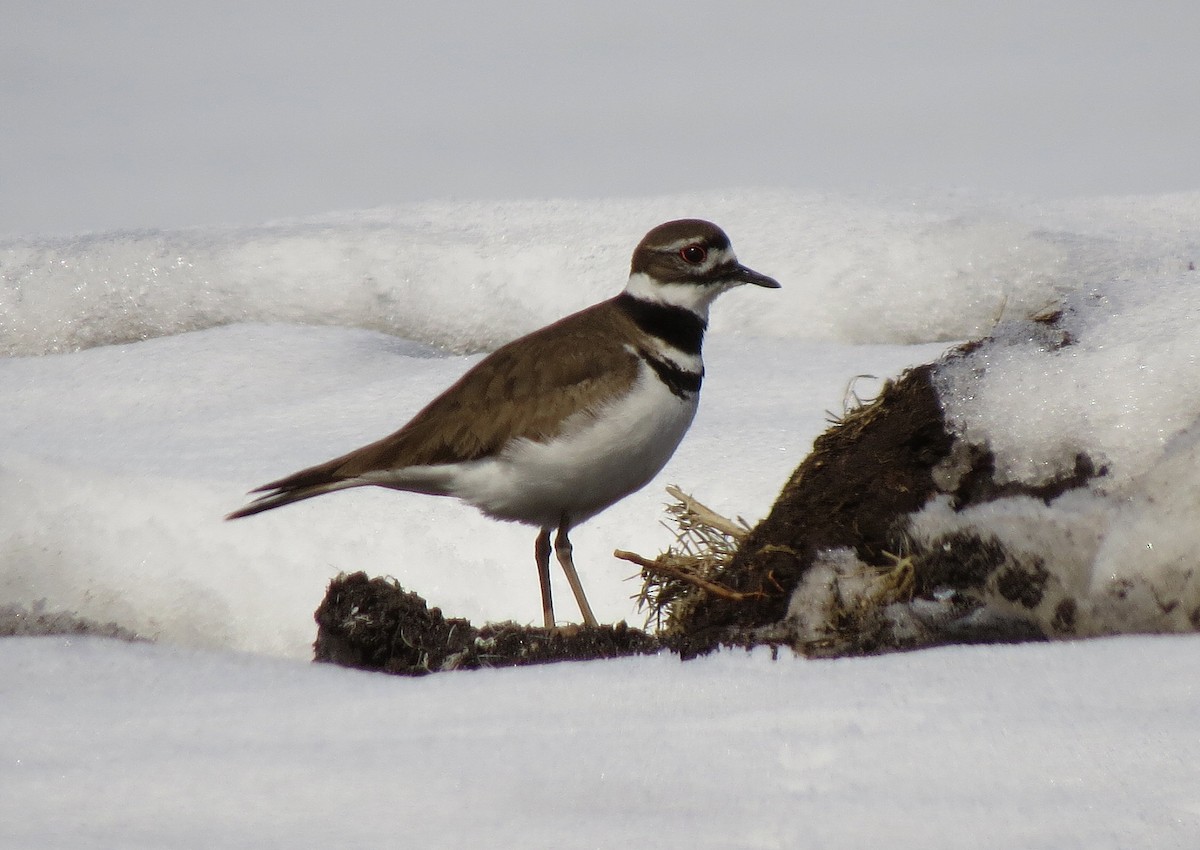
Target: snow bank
{"points": [[117, 460], [1037, 746], [1061, 499], [1111, 386], [469, 276]]}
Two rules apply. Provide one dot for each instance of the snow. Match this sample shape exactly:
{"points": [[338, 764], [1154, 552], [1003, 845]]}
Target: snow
{"points": [[1041, 746], [118, 460], [1124, 392], [1131, 356], [153, 371], [469, 276], [115, 499]]}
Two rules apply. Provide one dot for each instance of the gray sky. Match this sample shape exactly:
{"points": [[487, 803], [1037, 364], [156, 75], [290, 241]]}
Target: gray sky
{"points": [[153, 114]]}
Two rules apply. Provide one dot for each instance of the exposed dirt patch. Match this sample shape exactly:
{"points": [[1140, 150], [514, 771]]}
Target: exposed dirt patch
{"points": [[855, 493], [1024, 586], [961, 561], [1064, 616], [374, 624], [861, 477], [978, 484], [18, 621]]}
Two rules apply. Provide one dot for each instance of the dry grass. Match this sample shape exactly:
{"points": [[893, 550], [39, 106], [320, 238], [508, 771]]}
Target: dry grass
{"points": [[704, 545]]}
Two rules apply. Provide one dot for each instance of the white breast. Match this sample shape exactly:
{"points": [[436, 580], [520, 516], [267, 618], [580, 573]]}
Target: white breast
{"points": [[598, 459]]}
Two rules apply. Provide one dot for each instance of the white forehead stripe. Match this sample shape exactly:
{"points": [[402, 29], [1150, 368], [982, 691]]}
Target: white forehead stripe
{"points": [[716, 256]]}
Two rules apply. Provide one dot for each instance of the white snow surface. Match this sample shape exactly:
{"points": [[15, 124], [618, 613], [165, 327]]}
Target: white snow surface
{"points": [[1068, 745], [1115, 380], [151, 378]]}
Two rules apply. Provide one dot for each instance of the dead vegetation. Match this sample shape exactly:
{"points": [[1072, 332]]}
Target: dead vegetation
{"points": [[705, 543]]}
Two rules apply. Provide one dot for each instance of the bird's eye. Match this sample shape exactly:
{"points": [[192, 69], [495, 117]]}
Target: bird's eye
{"points": [[694, 254]]}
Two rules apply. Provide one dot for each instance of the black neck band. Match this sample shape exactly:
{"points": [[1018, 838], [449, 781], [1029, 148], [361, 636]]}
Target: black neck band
{"points": [[678, 327], [679, 381]]}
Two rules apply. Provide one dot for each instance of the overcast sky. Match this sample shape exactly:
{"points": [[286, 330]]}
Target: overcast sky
{"points": [[153, 114]]}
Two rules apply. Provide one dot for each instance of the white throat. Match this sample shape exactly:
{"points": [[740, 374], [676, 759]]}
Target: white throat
{"points": [[689, 296]]}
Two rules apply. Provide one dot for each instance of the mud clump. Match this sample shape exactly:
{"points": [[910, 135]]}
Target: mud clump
{"points": [[833, 569], [866, 472], [1024, 587], [375, 624], [963, 561]]}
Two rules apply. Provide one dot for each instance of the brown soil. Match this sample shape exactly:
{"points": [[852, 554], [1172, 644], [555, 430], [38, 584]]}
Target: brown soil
{"points": [[861, 477], [856, 490], [374, 624]]}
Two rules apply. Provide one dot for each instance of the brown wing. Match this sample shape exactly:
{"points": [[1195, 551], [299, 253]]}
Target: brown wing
{"points": [[522, 390]]}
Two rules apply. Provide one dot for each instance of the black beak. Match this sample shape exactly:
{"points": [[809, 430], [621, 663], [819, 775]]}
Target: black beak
{"points": [[746, 275]]}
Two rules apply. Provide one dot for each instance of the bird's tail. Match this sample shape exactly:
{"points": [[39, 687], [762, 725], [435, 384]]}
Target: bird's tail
{"points": [[296, 488]]}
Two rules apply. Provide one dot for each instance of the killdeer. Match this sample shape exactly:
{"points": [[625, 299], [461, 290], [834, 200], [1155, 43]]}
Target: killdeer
{"points": [[554, 427]]}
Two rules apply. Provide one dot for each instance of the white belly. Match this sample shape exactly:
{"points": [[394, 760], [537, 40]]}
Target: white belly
{"points": [[596, 461]]}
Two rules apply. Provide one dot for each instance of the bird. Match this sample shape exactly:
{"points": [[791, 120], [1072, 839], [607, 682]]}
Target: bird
{"points": [[556, 426]]}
